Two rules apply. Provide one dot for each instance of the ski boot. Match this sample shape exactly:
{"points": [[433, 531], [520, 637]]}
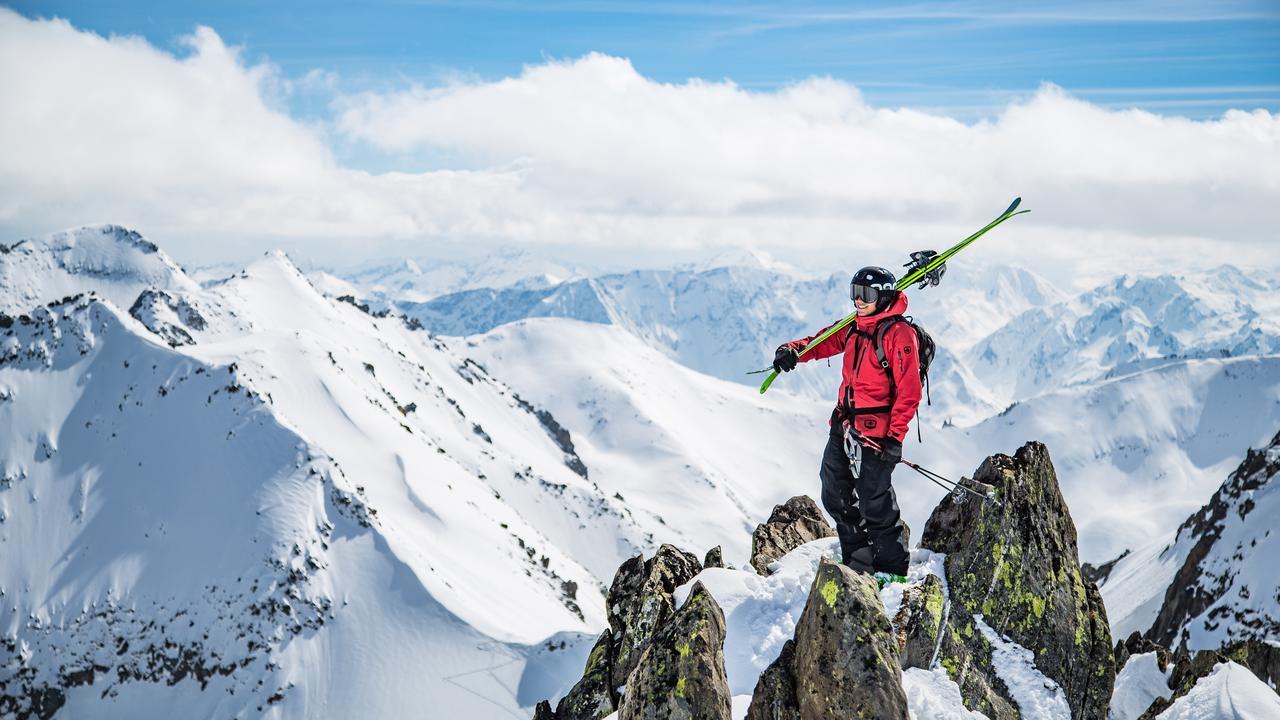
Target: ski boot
{"points": [[885, 578]]}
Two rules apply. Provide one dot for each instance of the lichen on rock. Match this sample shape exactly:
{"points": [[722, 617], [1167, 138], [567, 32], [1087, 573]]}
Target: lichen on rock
{"points": [[681, 674], [1017, 565]]}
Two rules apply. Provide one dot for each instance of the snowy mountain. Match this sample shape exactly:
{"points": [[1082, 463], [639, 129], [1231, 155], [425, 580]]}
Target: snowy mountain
{"points": [[249, 490], [117, 263], [724, 320], [1004, 334], [1137, 452], [1214, 583], [420, 280], [704, 458], [299, 492], [1128, 321], [254, 496]]}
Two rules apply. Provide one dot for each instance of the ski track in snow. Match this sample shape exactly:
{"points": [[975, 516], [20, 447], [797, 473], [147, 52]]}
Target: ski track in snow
{"points": [[1230, 692]]}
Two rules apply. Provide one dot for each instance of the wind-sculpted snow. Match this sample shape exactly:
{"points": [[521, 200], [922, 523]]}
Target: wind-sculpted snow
{"points": [[296, 490], [141, 548], [115, 262]]}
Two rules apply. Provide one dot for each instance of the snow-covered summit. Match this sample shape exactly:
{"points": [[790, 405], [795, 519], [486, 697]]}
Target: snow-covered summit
{"points": [[451, 524], [421, 279], [114, 261]]}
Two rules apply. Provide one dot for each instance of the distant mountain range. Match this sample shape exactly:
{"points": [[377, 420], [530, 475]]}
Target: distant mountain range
{"points": [[228, 492]]}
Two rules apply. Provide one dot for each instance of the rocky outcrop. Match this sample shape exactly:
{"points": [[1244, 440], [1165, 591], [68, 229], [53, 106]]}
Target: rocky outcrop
{"points": [[790, 525], [714, 558], [639, 603], [919, 623], [1098, 574], [1225, 587], [172, 318], [1136, 644], [1012, 588], [1015, 566], [844, 662], [681, 675], [774, 697], [595, 695]]}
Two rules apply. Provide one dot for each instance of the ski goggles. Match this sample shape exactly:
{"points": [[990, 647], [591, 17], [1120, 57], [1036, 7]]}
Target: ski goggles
{"points": [[865, 293]]}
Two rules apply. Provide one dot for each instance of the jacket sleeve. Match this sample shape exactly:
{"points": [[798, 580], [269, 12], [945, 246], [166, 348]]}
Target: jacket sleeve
{"points": [[831, 346], [902, 350]]}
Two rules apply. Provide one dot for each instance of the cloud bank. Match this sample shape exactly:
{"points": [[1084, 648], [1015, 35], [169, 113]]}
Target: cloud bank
{"points": [[199, 151]]}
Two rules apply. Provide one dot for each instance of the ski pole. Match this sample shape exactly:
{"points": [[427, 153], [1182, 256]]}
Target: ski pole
{"points": [[946, 484]]}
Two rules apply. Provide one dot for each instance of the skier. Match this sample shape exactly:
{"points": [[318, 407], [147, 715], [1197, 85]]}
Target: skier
{"points": [[878, 403]]}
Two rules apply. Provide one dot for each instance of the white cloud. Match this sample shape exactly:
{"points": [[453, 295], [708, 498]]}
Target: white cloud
{"points": [[589, 154]]}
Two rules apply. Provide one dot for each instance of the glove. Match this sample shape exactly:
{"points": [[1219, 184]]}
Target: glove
{"points": [[921, 258], [785, 358], [890, 450]]}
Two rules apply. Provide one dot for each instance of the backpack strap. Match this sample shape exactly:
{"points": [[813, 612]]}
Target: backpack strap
{"points": [[877, 343]]}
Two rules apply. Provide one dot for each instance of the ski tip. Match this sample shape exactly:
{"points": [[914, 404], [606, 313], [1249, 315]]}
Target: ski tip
{"points": [[764, 387], [1013, 205]]}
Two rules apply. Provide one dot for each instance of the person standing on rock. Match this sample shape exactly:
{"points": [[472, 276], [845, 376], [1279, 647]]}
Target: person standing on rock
{"points": [[876, 402]]}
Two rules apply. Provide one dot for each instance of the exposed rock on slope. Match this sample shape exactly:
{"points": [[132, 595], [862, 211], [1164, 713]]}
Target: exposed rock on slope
{"points": [[639, 604], [843, 663], [1014, 576], [790, 525], [1227, 591], [681, 674], [1003, 623]]}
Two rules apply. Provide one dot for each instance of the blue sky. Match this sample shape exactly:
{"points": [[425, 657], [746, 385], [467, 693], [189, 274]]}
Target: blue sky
{"points": [[575, 130], [967, 59]]}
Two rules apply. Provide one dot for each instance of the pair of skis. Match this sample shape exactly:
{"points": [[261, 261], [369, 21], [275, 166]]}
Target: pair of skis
{"points": [[913, 277]]}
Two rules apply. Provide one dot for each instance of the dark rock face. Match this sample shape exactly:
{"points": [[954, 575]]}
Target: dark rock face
{"points": [[714, 558], [775, 695], [1136, 644], [1017, 565], [157, 310], [681, 675], [790, 525], [639, 603], [1098, 574], [593, 696], [920, 622], [844, 663], [1198, 586]]}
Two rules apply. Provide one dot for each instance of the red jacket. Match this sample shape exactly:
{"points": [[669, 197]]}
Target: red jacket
{"points": [[866, 395]]}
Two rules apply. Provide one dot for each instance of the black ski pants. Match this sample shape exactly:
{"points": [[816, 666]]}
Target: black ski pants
{"points": [[872, 534]]}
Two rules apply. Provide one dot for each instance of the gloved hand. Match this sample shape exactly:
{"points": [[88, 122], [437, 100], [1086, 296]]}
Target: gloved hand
{"points": [[890, 450], [785, 358]]}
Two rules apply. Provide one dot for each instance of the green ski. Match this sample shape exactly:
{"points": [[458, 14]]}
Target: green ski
{"points": [[904, 283]]}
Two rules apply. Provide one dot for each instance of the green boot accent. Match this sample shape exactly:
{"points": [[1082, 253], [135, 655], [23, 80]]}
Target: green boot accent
{"points": [[884, 578]]}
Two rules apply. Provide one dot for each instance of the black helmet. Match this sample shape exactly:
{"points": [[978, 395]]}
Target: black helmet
{"points": [[874, 285]]}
